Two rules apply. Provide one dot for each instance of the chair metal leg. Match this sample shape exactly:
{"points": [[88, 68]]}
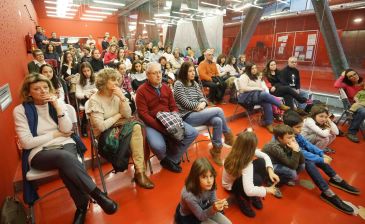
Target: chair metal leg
{"points": [[100, 171], [249, 118], [150, 165], [31, 215], [187, 156]]}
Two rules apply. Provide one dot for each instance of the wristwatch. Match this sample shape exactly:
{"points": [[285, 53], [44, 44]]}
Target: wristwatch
{"points": [[61, 115]]}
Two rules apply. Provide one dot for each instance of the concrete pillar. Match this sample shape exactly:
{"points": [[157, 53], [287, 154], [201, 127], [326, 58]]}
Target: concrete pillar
{"points": [[329, 32], [248, 27]]}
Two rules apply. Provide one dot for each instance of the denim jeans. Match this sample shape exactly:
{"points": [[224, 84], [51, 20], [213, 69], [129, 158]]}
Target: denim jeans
{"points": [[210, 116], [286, 174], [358, 119], [305, 94], [266, 101], [316, 176], [163, 146]]}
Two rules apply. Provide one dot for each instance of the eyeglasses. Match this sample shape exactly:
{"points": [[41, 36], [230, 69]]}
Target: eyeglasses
{"points": [[155, 73]]}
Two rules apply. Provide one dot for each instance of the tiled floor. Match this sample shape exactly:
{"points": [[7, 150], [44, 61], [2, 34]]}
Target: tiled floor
{"points": [[157, 206]]}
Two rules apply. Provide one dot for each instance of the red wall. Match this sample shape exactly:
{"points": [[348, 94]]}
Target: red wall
{"points": [[265, 32], [15, 24]]}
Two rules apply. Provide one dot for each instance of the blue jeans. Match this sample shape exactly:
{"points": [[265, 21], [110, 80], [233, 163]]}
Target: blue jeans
{"points": [[266, 101], [316, 176], [358, 119], [210, 116], [305, 94], [286, 174], [165, 147]]}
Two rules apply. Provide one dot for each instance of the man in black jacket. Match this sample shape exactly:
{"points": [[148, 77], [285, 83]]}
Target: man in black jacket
{"points": [[289, 76]]}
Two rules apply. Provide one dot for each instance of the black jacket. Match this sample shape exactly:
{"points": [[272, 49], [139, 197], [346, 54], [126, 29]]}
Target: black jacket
{"points": [[290, 77]]}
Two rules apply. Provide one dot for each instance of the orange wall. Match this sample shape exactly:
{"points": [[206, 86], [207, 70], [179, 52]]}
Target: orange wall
{"points": [[15, 24]]}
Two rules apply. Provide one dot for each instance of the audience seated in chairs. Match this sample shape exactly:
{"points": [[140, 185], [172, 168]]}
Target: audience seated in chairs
{"points": [[210, 78], [193, 110], [44, 130], [58, 84], [289, 76], [252, 93], [137, 74], [111, 54], [352, 83], [276, 88], [37, 62], [153, 99], [109, 112], [51, 52], [85, 88], [96, 61], [126, 86]]}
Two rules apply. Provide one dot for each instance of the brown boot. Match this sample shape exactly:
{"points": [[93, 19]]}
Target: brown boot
{"points": [[215, 152], [143, 181], [269, 128], [284, 107], [229, 138]]}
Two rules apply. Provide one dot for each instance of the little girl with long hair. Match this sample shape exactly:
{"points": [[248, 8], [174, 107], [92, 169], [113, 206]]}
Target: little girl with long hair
{"points": [[85, 88], [319, 129], [199, 203], [243, 175], [137, 74]]}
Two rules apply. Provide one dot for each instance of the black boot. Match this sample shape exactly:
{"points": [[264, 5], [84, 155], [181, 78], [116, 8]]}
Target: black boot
{"points": [[108, 205], [80, 215]]}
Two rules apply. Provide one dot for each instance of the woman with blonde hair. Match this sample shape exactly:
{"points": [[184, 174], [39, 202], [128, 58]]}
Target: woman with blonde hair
{"points": [[44, 128], [110, 115]]}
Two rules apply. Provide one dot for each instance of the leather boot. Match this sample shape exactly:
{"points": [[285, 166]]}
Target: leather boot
{"points": [[284, 107], [80, 215], [215, 152], [108, 205], [270, 128], [143, 181], [229, 138]]}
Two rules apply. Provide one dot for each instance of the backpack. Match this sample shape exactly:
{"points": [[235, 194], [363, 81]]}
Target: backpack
{"points": [[13, 212]]}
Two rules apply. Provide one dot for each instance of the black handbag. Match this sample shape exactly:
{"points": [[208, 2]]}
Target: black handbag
{"points": [[13, 212]]}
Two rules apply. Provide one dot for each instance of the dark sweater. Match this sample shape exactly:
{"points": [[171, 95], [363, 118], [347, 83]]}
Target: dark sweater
{"points": [[149, 103], [96, 64], [282, 154], [290, 77]]}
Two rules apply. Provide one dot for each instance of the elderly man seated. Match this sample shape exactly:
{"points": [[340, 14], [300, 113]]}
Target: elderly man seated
{"points": [[167, 136]]}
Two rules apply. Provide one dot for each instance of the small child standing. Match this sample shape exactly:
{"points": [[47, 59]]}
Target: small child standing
{"points": [[243, 175], [319, 129], [315, 160], [285, 155], [199, 203]]}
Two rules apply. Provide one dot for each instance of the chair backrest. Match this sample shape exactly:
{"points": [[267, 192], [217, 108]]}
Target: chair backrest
{"points": [[237, 85], [93, 140], [344, 98], [73, 116]]}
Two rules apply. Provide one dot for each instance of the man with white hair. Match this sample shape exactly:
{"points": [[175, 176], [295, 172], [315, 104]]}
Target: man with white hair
{"points": [[289, 76], [153, 97], [209, 75]]}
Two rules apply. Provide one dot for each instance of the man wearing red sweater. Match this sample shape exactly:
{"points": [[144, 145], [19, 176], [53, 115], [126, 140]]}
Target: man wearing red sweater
{"points": [[153, 97]]}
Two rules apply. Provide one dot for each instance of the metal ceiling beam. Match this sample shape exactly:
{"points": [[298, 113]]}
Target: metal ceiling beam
{"points": [[331, 39], [201, 36], [171, 30], [133, 5]]}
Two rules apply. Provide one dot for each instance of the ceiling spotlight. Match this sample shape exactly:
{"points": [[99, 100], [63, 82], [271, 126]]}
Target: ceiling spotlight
{"points": [[358, 20]]}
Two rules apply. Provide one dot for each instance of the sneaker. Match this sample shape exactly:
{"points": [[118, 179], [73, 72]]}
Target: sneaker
{"points": [[245, 207], [328, 151], [353, 138], [211, 104], [336, 202], [284, 107], [269, 128], [278, 193], [256, 202], [291, 183], [343, 185], [222, 102], [170, 165]]}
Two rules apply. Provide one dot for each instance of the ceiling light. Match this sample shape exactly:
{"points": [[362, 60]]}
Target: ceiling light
{"points": [[285, 2], [55, 8], [62, 5], [144, 23], [210, 4], [182, 13], [109, 3], [55, 13], [236, 1], [358, 20], [90, 19], [164, 15], [93, 16], [103, 8], [61, 17], [150, 21], [97, 12]]}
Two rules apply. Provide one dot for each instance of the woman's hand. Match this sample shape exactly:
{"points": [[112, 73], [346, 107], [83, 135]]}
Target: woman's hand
{"points": [[57, 134], [119, 93], [271, 189], [327, 159], [272, 89], [273, 177], [219, 205]]}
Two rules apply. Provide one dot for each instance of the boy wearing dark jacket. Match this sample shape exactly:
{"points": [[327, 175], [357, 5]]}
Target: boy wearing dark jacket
{"points": [[285, 154], [314, 159]]}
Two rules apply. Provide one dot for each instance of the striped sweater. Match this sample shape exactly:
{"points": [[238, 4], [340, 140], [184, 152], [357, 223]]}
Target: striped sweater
{"points": [[187, 97]]}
